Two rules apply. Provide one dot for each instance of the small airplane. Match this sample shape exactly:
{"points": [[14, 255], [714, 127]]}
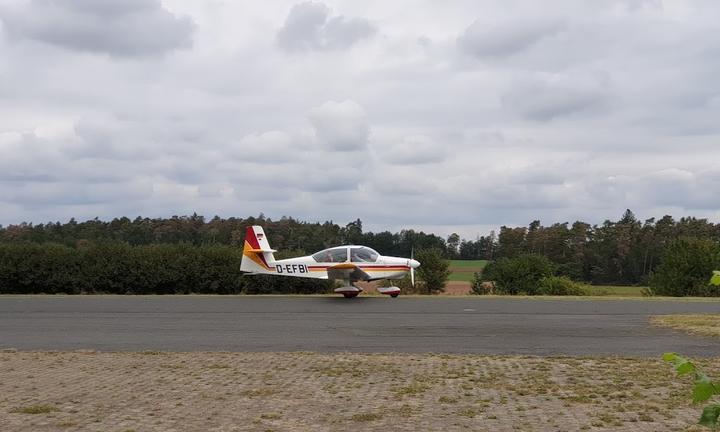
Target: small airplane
{"points": [[347, 263]]}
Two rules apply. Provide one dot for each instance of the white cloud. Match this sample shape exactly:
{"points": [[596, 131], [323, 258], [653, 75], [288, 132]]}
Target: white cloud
{"points": [[309, 26], [411, 150], [271, 147], [340, 126]]}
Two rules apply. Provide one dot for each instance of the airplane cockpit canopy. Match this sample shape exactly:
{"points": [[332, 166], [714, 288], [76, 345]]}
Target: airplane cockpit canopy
{"points": [[363, 254], [331, 255], [340, 254]]}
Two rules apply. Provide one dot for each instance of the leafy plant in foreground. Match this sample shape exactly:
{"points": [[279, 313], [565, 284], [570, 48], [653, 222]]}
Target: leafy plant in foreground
{"points": [[715, 280], [704, 388]]}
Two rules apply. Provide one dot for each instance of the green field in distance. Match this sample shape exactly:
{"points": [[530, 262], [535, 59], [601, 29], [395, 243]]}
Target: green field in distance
{"points": [[464, 270]]}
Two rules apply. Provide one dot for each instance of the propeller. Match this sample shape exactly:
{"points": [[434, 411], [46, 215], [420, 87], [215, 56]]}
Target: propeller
{"points": [[412, 269]]}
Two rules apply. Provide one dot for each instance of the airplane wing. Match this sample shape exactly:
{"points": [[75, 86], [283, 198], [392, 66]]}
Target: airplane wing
{"points": [[347, 271]]}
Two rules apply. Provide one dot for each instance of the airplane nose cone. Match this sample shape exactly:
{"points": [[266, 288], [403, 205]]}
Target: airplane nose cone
{"points": [[414, 263]]}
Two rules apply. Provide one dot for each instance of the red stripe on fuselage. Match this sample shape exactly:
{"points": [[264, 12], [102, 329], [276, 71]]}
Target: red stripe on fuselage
{"points": [[378, 267]]}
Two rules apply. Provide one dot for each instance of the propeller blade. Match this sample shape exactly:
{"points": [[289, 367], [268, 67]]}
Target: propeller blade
{"points": [[412, 269]]}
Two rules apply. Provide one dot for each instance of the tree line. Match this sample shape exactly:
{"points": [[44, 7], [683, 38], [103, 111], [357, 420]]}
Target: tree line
{"points": [[624, 252], [285, 234], [180, 254]]}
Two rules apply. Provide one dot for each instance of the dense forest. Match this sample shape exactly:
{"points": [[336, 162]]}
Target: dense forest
{"points": [[285, 234], [192, 254]]}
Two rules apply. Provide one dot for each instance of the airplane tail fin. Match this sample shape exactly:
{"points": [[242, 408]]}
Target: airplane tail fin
{"points": [[257, 255]]}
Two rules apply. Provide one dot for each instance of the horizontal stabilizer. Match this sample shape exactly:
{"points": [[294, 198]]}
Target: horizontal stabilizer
{"points": [[260, 250]]}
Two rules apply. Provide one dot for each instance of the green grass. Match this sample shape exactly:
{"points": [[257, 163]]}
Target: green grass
{"points": [[614, 291], [464, 270], [462, 277], [366, 417], [474, 265], [35, 409]]}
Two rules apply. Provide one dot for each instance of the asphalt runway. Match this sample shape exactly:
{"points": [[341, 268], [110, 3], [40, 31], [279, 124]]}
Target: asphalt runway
{"points": [[478, 325]]}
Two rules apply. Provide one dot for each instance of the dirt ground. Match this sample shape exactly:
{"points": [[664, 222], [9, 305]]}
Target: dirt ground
{"points": [[152, 391]]}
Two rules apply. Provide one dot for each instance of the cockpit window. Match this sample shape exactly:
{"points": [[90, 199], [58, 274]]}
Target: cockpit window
{"points": [[337, 255], [363, 254]]}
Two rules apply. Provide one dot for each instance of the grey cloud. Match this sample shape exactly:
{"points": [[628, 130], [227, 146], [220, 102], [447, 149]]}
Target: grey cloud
{"points": [[488, 39], [677, 187], [309, 27], [641, 4], [268, 148], [609, 108], [329, 179], [340, 126], [546, 97], [124, 28], [314, 176], [411, 150], [73, 193]]}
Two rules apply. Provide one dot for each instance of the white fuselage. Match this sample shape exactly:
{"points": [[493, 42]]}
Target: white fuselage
{"points": [[317, 265]]}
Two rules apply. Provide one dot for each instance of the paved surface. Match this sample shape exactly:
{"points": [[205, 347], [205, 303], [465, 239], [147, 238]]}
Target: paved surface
{"points": [[329, 324]]}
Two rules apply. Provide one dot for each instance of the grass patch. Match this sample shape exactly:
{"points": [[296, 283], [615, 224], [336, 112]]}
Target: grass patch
{"points": [[699, 324], [365, 417], [218, 366], [464, 270], [415, 388], [468, 412], [614, 291], [461, 277], [261, 392], [35, 409], [472, 265], [447, 399]]}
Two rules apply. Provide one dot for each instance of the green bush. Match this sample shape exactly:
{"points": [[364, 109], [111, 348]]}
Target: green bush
{"points": [[560, 286], [117, 268], [433, 272], [686, 267], [480, 286], [27, 268], [270, 284], [520, 275]]}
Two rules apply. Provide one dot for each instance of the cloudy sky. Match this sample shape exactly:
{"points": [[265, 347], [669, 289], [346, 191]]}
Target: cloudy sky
{"points": [[445, 116]]}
